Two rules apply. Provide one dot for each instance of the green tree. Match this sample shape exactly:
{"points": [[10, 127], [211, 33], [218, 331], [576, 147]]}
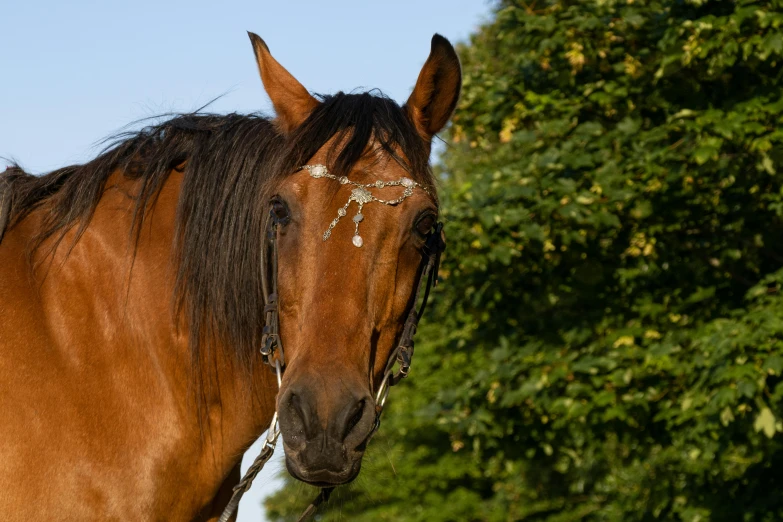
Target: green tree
{"points": [[607, 343]]}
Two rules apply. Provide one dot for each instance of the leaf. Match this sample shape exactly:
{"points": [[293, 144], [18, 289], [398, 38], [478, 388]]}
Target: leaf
{"points": [[767, 165], [774, 364], [773, 43], [625, 340], [628, 126], [765, 422], [726, 416]]}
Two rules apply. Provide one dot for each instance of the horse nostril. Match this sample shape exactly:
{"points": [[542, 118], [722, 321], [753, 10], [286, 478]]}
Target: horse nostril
{"points": [[300, 414], [356, 415], [345, 421], [296, 404]]}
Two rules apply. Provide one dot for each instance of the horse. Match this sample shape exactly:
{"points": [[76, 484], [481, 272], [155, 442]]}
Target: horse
{"points": [[135, 297]]}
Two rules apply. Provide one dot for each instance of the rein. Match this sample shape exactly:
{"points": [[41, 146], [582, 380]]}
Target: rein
{"points": [[273, 355]]}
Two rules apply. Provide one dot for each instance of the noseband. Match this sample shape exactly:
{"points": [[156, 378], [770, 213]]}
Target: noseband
{"points": [[272, 348]]}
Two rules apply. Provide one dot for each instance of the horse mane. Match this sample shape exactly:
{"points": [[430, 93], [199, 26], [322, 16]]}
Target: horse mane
{"points": [[231, 166]]}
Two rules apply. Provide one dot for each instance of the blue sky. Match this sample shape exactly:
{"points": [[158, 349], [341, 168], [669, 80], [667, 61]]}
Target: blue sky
{"points": [[74, 72]]}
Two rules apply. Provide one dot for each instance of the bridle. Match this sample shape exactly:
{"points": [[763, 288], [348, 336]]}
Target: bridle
{"points": [[272, 348], [403, 354]]}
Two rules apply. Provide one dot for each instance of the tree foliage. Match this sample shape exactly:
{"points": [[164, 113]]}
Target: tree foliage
{"points": [[607, 343]]}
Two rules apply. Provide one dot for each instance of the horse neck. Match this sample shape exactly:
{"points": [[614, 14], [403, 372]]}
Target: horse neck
{"points": [[121, 323]]}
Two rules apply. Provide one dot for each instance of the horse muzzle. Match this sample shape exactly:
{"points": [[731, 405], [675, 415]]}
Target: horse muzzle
{"points": [[324, 436]]}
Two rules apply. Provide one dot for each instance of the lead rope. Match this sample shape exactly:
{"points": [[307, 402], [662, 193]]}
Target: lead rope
{"points": [[270, 341], [266, 453]]}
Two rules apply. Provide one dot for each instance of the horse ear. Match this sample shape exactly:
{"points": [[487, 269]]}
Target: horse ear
{"points": [[437, 89], [292, 103]]}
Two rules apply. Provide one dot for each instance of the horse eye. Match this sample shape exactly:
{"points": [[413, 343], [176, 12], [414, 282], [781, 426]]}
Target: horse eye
{"points": [[280, 212], [425, 223]]}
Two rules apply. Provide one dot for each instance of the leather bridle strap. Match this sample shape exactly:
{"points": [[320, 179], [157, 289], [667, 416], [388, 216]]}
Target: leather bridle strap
{"points": [[272, 354], [271, 345], [403, 354]]}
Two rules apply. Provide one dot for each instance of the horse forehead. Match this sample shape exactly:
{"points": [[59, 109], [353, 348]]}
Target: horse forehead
{"points": [[364, 172]]}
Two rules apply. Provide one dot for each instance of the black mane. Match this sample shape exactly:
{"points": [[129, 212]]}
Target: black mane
{"points": [[231, 165]]}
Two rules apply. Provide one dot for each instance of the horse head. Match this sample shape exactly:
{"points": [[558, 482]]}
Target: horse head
{"points": [[350, 227]]}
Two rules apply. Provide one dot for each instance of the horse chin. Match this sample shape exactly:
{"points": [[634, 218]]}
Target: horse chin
{"points": [[323, 478]]}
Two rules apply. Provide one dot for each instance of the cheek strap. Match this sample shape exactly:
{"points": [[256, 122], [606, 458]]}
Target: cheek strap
{"points": [[403, 353]]}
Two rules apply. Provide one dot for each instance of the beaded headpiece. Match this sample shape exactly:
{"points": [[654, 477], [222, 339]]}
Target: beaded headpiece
{"points": [[361, 195]]}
